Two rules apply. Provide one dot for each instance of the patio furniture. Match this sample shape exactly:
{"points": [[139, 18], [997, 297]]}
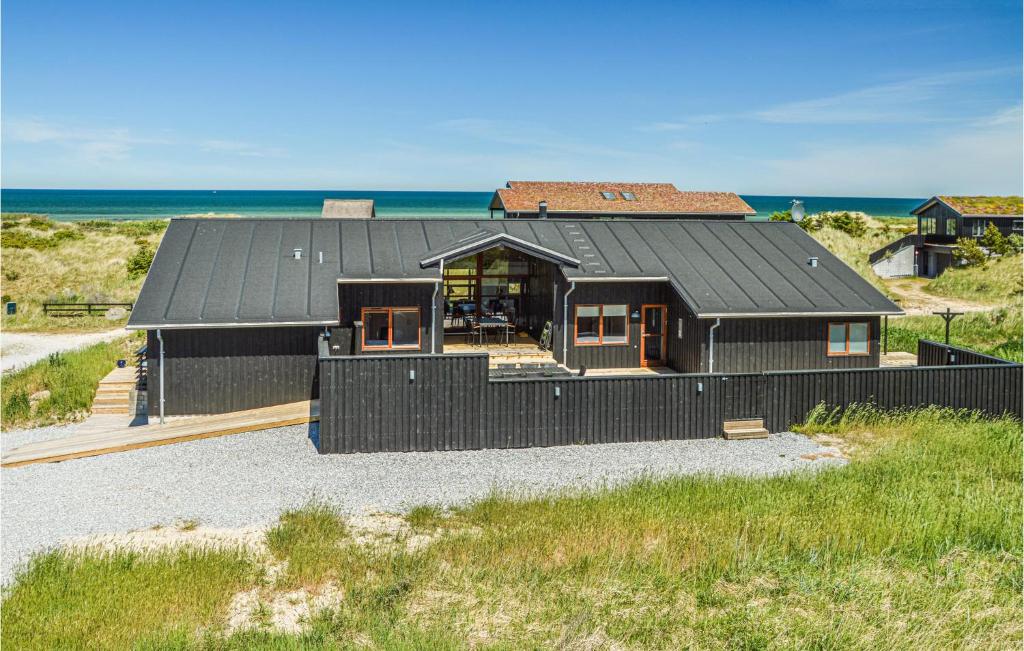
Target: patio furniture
{"points": [[490, 324]]}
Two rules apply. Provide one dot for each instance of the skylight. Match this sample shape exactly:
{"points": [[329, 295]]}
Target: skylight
{"points": [[608, 195], [629, 196]]}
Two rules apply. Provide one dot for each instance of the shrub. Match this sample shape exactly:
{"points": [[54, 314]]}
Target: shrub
{"points": [[11, 275], [67, 235], [994, 241], [781, 216], [1015, 243], [6, 298], [96, 225], [40, 222], [140, 261], [848, 223], [141, 228], [15, 238], [968, 253]]}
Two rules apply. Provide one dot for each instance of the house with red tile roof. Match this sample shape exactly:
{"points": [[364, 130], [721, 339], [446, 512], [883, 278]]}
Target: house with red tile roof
{"points": [[606, 200]]}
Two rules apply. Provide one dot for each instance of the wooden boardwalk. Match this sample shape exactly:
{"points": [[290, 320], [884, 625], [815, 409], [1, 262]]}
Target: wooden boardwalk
{"points": [[98, 438]]}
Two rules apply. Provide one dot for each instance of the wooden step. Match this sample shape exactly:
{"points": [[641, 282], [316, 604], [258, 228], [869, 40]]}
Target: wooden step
{"points": [[746, 433], [109, 409], [743, 424]]}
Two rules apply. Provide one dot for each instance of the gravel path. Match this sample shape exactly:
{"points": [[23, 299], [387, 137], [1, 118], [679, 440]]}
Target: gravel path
{"points": [[248, 479], [19, 349]]}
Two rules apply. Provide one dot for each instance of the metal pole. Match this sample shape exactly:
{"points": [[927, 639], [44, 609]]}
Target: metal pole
{"points": [[160, 338], [565, 323], [711, 346], [886, 351]]}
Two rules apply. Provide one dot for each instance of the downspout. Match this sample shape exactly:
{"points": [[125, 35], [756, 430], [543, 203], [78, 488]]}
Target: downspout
{"points": [[565, 322], [711, 346], [433, 312], [160, 338]]}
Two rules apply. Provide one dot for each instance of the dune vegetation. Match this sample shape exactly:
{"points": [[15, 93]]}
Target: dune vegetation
{"points": [[916, 543], [61, 387], [73, 262]]}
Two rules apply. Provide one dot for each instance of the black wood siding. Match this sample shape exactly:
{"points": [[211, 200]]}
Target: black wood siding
{"points": [[538, 307], [353, 297], [769, 344], [371, 404], [932, 353], [217, 370], [633, 295]]}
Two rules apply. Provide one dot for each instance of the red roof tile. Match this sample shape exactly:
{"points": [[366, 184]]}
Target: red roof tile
{"points": [[651, 198]]}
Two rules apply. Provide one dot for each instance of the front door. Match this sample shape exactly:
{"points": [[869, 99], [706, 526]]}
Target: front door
{"points": [[652, 335]]}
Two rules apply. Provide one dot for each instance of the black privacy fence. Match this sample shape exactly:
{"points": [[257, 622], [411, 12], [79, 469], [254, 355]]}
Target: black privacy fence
{"points": [[448, 402]]}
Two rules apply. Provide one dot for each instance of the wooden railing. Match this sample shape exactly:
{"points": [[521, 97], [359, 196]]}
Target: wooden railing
{"points": [[78, 309], [932, 353]]}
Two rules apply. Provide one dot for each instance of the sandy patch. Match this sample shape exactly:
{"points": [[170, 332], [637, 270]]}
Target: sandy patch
{"points": [[18, 349], [250, 539], [286, 612]]}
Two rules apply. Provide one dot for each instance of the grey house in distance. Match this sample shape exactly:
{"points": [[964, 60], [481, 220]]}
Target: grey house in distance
{"points": [[239, 307]]}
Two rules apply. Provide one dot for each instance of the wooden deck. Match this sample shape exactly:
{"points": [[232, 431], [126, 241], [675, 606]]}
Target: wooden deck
{"points": [[897, 359], [519, 350], [105, 436]]}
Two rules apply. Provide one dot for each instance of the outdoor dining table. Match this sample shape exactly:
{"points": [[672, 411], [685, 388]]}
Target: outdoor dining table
{"points": [[490, 323]]}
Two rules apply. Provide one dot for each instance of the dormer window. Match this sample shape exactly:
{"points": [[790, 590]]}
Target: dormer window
{"points": [[629, 196], [610, 196]]}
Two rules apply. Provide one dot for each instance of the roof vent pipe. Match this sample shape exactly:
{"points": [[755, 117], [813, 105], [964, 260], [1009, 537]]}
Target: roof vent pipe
{"points": [[321, 257], [812, 261], [542, 209], [297, 254]]}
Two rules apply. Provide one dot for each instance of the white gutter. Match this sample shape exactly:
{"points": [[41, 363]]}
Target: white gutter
{"points": [[433, 311], [565, 322], [711, 346], [160, 338]]}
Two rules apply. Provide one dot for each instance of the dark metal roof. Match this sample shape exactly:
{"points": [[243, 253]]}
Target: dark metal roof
{"points": [[230, 272]]}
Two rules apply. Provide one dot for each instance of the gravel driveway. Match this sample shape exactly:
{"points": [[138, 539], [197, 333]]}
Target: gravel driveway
{"points": [[248, 479], [18, 349]]}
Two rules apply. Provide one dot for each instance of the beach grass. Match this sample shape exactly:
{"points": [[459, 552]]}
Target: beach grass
{"points": [[61, 387], [999, 280], [997, 332], [49, 261], [916, 543]]}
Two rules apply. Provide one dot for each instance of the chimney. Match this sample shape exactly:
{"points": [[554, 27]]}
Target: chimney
{"points": [[542, 209]]}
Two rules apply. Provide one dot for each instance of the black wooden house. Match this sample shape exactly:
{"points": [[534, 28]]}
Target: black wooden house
{"points": [[234, 308]]}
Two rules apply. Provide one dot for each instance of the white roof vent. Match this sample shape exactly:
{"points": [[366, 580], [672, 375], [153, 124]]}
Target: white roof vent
{"points": [[812, 261], [297, 254]]}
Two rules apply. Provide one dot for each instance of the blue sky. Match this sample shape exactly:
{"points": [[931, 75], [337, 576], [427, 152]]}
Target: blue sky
{"points": [[844, 98]]}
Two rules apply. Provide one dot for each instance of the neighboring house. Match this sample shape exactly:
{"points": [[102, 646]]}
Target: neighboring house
{"points": [[348, 209], [235, 307], [537, 199], [941, 220]]}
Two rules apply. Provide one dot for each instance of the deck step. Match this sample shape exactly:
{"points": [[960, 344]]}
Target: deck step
{"points": [[109, 409], [749, 428], [746, 433]]}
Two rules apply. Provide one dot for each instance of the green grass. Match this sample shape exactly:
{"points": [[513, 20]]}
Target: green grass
{"points": [[998, 280], [70, 377], [117, 600], [994, 333], [915, 544], [50, 261]]}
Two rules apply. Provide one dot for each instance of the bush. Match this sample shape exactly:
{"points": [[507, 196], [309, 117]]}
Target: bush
{"points": [[139, 263], [141, 228], [993, 240], [96, 225], [11, 275], [15, 238], [968, 253], [1015, 243], [67, 235], [17, 407], [781, 216], [39, 222], [848, 223]]}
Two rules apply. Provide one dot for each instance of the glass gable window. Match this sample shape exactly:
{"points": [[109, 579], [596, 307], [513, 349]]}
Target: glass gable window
{"points": [[388, 328], [849, 339], [602, 324]]}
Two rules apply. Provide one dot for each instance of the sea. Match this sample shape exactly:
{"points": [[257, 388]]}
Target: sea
{"points": [[72, 205]]}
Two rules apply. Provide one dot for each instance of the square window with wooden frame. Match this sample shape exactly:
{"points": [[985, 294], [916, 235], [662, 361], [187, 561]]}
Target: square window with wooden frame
{"points": [[602, 325], [391, 328], [849, 339]]}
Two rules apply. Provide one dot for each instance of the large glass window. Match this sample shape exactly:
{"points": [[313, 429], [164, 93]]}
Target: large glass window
{"points": [[927, 225], [391, 327], [849, 339], [951, 226], [602, 324]]}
